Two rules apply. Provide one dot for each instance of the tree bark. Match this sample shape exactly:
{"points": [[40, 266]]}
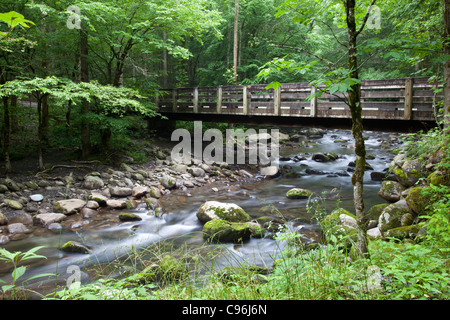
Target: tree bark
{"points": [[357, 131], [85, 108], [39, 111], [236, 40], [446, 40], [6, 135]]}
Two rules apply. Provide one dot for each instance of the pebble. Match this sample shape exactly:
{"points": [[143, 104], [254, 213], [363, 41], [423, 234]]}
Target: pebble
{"points": [[37, 197]]}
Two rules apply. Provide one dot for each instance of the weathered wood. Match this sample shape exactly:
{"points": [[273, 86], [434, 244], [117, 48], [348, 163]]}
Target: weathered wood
{"points": [[408, 99], [219, 100], [277, 101], [313, 103], [195, 100]]}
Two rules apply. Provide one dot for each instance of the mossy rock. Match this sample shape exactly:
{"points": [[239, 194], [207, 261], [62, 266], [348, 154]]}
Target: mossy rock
{"points": [[231, 212], [257, 231], [409, 173], [405, 232], [375, 211], [418, 200], [391, 217], [128, 216], [391, 191], [218, 230], [439, 178], [299, 193], [333, 219], [74, 247]]}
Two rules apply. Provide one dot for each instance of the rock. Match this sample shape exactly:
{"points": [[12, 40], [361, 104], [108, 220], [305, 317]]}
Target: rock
{"points": [[211, 210], [128, 216], [4, 239], [18, 228], [417, 200], [139, 191], [126, 168], [116, 204], [3, 219], [167, 181], [13, 186], [32, 185], [439, 178], [270, 171], [298, 193], [93, 182], [92, 205], [45, 219], [21, 217], [54, 227], [196, 172], [74, 247], [324, 157], [120, 191], [336, 217], [374, 232], [37, 197], [13, 204], [68, 207], [218, 230], [377, 176], [404, 232], [152, 203], [155, 192], [348, 221], [169, 269], [391, 191], [375, 212], [181, 168], [87, 213], [137, 176], [352, 164], [409, 173], [280, 136], [392, 215], [99, 198], [3, 188]]}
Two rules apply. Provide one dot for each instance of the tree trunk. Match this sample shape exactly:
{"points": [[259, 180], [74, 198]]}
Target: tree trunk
{"points": [[85, 108], [357, 131], [236, 40], [446, 40], [39, 111], [6, 135]]}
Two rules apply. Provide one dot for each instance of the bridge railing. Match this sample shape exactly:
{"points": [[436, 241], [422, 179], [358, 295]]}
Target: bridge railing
{"points": [[409, 98]]}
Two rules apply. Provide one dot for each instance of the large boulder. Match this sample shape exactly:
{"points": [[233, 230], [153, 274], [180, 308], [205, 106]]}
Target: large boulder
{"points": [[404, 232], [391, 191], [439, 178], [218, 210], [120, 191], [70, 206], [218, 230], [298, 193], [74, 247], [93, 182], [325, 157], [376, 210], [409, 173], [417, 200], [391, 217]]}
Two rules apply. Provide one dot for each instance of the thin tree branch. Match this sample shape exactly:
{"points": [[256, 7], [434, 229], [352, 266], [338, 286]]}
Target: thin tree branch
{"points": [[366, 17]]}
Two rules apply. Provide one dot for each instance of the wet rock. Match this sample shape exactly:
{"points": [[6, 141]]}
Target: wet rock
{"points": [[74, 247], [218, 230], [18, 228], [120, 191], [167, 181], [196, 172], [11, 184], [79, 224], [87, 213], [211, 210], [4, 239], [37, 197], [93, 182], [270, 172], [299, 193], [3, 219], [391, 191], [99, 198], [324, 157], [45, 219], [139, 191], [116, 203], [54, 227], [3, 188], [377, 176], [70, 206], [21, 217], [92, 205], [128, 216], [155, 192], [13, 204]]}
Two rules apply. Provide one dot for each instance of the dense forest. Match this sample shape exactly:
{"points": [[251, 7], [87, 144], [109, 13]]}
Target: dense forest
{"points": [[84, 77]]}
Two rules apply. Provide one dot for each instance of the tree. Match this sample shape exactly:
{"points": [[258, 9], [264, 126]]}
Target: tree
{"points": [[236, 40], [446, 45]]}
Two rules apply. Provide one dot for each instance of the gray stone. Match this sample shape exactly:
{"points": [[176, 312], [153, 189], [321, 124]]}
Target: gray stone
{"points": [[46, 219], [4, 239], [217, 210], [12, 185], [93, 182], [37, 197], [270, 172], [167, 181], [99, 198], [391, 191], [116, 204], [18, 228], [120, 191], [3, 219], [139, 191], [13, 204], [70, 206], [196, 172]]}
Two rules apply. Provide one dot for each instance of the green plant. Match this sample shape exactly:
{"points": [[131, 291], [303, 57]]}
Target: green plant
{"points": [[17, 258]]}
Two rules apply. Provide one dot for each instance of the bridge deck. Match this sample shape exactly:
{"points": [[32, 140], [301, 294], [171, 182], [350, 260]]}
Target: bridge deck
{"points": [[396, 102]]}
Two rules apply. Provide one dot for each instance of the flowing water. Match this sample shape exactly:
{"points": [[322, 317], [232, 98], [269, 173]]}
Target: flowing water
{"points": [[258, 198]]}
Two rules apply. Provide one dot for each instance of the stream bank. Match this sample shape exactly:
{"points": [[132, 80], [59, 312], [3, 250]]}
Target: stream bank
{"points": [[305, 162]]}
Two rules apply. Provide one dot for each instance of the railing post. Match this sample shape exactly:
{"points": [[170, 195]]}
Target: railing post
{"points": [[244, 101], [277, 101], [219, 100], [313, 105], [174, 100], [408, 99], [195, 100]]}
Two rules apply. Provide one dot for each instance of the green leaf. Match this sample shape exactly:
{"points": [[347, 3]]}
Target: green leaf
{"points": [[18, 272]]}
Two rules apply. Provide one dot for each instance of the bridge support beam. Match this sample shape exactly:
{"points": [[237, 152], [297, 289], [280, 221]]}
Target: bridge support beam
{"points": [[408, 99]]}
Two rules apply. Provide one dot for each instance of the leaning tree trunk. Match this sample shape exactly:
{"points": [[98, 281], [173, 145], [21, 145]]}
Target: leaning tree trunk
{"points": [[357, 131]]}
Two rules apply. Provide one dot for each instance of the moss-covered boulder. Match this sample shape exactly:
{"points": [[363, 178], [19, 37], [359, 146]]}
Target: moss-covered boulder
{"points": [[418, 199], [74, 247], [299, 193], [391, 217], [168, 269], [409, 173], [334, 218], [439, 178], [391, 191], [218, 210], [376, 210], [405, 232], [218, 230]]}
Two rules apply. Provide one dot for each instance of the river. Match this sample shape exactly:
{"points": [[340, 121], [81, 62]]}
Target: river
{"points": [[258, 198]]}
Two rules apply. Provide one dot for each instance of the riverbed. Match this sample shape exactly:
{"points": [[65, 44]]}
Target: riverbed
{"points": [[258, 197]]}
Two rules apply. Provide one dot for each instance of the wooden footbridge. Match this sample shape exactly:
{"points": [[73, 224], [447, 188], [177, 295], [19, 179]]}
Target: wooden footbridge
{"points": [[388, 105]]}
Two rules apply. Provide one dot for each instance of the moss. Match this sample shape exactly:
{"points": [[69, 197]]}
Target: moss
{"points": [[225, 231], [405, 232], [128, 216], [439, 178], [417, 200], [333, 218], [375, 211], [168, 269], [298, 193], [74, 247], [225, 211]]}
